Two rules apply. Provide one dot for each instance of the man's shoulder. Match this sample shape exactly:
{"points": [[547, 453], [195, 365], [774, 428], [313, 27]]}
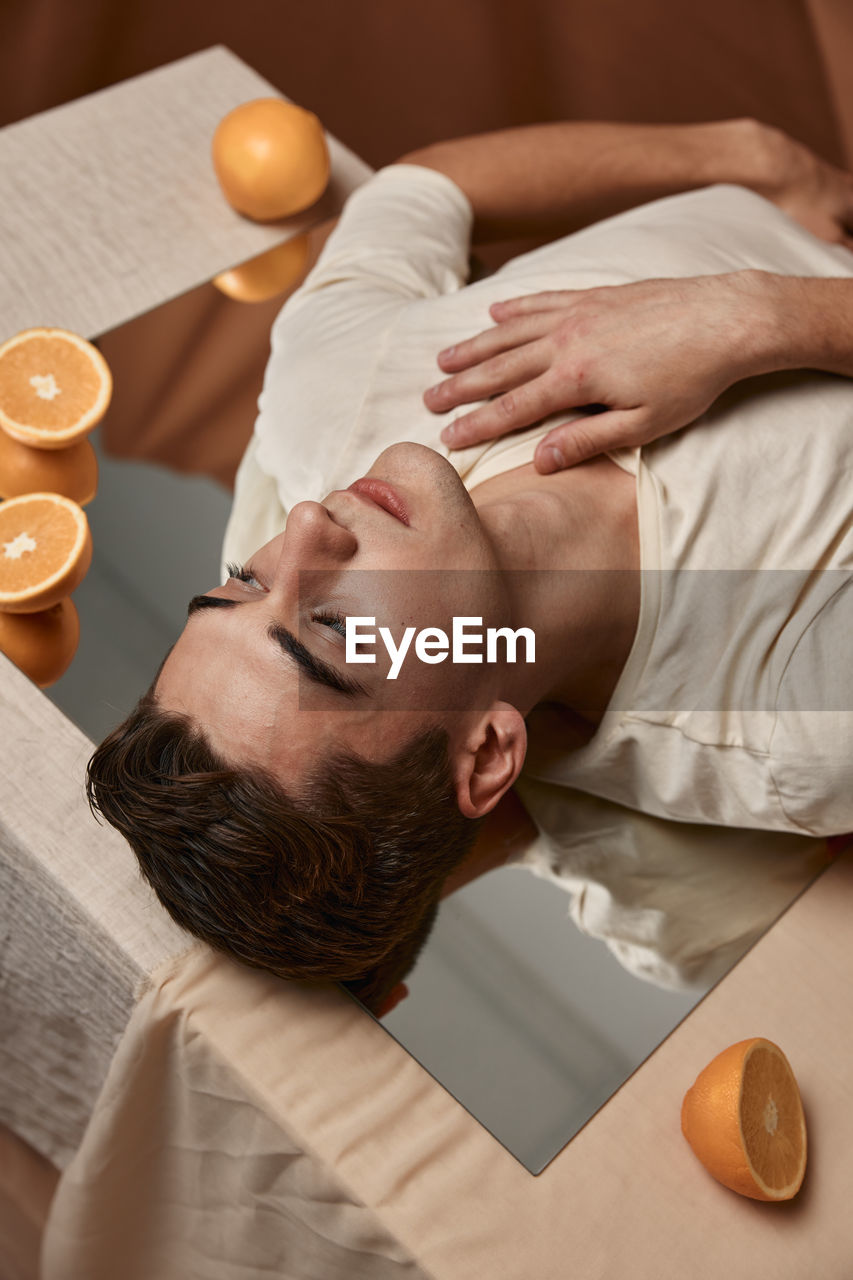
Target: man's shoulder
{"points": [[403, 235]]}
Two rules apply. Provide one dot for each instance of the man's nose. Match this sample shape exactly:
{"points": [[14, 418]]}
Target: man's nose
{"points": [[314, 540]]}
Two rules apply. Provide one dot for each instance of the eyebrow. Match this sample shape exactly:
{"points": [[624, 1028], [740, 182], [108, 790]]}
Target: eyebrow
{"points": [[315, 668]]}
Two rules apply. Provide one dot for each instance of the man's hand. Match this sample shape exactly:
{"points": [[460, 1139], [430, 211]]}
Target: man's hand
{"points": [[674, 348], [656, 354], [812, 192]]}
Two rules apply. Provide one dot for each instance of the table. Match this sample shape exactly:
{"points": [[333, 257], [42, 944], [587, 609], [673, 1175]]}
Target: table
{"points": [[110, 205]]}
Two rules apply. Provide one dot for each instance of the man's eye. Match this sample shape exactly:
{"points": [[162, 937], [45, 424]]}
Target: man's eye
{"points": [[242, 574], [334, 620]]}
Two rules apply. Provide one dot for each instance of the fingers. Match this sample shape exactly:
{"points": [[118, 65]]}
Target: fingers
{"points": [[532, 303], [586, 437], [484, 345], [502, 373], [520, 407]]}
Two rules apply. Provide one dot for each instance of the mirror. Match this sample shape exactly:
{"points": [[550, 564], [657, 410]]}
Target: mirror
{"points": [[529, 1023]]}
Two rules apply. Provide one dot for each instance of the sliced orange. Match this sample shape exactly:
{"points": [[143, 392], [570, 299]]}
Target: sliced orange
{"points": [[54, 387], [744, 1120], [268, 274], [42, 644], [45, 551], [72, 471], [271, 158]]}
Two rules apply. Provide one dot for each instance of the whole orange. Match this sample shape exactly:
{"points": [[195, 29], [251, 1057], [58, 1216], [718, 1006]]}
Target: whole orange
{"points": [[271, 159]]}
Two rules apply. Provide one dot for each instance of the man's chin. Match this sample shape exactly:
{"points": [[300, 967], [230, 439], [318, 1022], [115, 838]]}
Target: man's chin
{"points": [[406, 453], [416, 467]]}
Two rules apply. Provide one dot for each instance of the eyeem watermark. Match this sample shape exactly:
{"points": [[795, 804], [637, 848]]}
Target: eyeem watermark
{"points": [[433, 645]]}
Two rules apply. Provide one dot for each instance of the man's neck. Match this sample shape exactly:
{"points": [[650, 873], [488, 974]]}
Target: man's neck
{"points": [[569, 547]]}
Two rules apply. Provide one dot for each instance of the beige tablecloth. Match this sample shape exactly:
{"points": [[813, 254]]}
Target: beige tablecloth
{"points": [[249, 1128]]}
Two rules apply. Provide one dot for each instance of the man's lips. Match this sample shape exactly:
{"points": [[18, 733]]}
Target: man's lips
{"points": [[381, 494]]}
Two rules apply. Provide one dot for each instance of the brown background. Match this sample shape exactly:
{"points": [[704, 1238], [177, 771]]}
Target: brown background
{"points": [[389, 75]]}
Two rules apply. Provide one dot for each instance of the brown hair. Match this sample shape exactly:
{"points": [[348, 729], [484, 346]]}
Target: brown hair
{"points": [[345, 889]]}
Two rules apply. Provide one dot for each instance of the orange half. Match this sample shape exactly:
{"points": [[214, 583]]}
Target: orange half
{"points": [[45, 551], [41, 644], [54, 387], [72, 471], [744, 1120]]}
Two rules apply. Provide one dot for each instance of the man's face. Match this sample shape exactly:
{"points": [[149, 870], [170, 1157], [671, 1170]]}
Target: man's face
{"points": [[264, 672]]}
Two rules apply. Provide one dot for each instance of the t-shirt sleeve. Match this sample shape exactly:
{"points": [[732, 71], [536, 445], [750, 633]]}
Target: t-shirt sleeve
{"points": [[406, 233], [403, 237]]}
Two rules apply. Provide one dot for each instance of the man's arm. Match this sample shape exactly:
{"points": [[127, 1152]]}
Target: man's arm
{"points": [[809, 326], [552, 178], [656, 353]]}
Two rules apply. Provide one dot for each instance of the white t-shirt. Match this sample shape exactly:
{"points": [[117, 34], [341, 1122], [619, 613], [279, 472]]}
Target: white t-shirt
{"points": [[352, 353]]}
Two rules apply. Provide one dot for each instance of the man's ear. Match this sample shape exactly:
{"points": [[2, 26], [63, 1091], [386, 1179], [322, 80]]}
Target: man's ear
{"points": [[489, 758]]}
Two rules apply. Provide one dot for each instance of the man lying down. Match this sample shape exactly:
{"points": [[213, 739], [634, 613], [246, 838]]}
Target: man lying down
{"points": [[688, 591]]}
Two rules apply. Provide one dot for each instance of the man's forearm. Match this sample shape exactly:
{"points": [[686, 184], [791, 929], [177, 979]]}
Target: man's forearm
{"points": [[552, 178], [807, 324]]}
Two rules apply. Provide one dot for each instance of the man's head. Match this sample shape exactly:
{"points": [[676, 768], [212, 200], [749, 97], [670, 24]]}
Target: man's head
{"points": [[295, 811], [261, 663], [341, 886]]}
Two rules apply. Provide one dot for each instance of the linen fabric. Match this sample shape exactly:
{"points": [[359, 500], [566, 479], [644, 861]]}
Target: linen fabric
{"points": [[205, 1178]]}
